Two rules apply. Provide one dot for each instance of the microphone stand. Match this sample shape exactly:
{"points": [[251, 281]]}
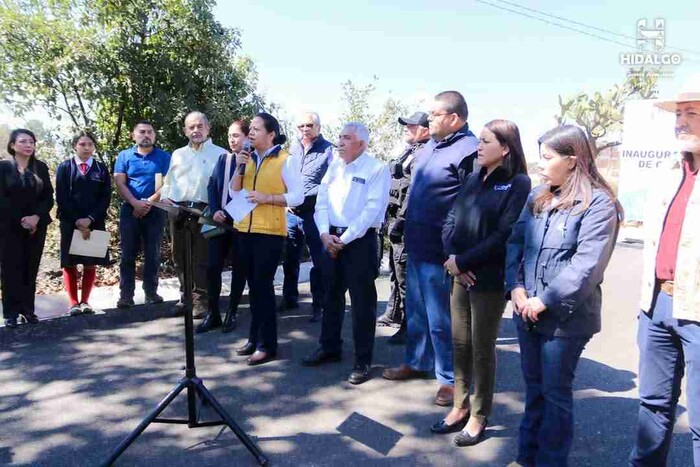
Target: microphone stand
{"points": [[194, 385]]}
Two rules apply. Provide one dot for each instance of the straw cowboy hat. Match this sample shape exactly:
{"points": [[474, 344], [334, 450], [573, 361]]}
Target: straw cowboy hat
{"points": [[690, 92]]}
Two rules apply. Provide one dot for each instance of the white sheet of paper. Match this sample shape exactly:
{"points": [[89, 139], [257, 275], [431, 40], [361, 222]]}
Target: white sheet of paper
{"points": [[239, 206], [96, 246]]}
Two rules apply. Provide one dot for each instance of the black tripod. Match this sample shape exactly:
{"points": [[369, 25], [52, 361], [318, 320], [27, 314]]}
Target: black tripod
{"points": [[194, 385]]}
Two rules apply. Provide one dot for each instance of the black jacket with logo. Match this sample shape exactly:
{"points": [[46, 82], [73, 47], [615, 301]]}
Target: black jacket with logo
{"points": [[480, 222]]}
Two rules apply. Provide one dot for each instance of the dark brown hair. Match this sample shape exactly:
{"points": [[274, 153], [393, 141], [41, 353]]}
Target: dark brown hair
{"points": [[32, 159], [244, 125], [13, 139], [454, 103], [271, 124], [508, 134], [571, 141], [80, 134]]}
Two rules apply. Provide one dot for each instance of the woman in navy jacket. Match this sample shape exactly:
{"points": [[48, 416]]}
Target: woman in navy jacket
{"points": [[83, 192], [555, 261], [474, 237], [26, 198], [221, 245]]}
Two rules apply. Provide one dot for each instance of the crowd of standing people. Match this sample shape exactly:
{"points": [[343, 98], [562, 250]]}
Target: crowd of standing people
{"points": [[467, 233]]}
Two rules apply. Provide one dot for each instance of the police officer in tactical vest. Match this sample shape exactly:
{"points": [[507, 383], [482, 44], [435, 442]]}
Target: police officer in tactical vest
{"points": [[416, 134]]}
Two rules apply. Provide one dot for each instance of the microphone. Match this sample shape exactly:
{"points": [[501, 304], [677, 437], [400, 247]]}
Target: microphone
{"points": [[246, 148]]}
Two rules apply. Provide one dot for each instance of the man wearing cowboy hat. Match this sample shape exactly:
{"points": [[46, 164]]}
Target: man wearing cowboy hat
{"points": [[669, 324]]}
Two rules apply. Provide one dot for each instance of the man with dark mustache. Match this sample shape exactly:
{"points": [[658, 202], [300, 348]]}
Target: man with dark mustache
{"points": [[138, 175]]}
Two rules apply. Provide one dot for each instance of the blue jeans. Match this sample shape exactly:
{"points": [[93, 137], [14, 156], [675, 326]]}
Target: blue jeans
{"points": [[547, 427], [667, 348], [302, 229], [429, 329], [134, 233]]}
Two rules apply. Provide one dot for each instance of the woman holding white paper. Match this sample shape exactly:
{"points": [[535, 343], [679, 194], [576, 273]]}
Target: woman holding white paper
{"points": [[83, 191], [272, 180]]}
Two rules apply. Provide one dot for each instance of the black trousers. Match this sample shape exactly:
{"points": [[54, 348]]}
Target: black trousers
{"points": [[19, 267], [355, 269], [219, 249], [258, 255], [396, 306]]}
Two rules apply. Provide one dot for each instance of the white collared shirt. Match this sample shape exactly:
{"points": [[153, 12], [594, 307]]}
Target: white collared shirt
{"points": [[353, 195], [189, 173], [78, 161]]}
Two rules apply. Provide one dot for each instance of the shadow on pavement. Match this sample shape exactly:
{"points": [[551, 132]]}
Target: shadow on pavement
{"points": [[71, 389]]}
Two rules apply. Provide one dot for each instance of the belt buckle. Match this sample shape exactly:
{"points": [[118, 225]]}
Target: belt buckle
{"points": [[338, 231]]}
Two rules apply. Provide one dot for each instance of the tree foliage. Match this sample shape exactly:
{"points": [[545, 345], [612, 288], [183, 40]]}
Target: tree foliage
{"points": [[600, 114], [105, 64], [381, 119]]}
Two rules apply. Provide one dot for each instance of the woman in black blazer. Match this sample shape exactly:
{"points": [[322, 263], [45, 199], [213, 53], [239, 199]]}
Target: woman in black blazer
{"points": [[83, 191], [26, 197]]}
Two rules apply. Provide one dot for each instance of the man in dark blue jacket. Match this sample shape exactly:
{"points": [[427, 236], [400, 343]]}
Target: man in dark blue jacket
{"points": [[441, 167], [314, 154]]}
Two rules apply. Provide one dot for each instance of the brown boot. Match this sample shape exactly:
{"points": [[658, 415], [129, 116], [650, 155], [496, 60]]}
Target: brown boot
{"points": [[403, 373], [445, 395]]}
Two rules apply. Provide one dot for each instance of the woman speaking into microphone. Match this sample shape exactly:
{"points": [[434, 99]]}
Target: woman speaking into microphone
{"points": [[272, 180]]}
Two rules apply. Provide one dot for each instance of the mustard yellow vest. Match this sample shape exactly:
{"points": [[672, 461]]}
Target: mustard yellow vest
{"points": [[266, 218]]}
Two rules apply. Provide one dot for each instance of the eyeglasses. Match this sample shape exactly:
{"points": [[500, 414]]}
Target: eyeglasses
{"points": [[305, 125], [433, 116]]}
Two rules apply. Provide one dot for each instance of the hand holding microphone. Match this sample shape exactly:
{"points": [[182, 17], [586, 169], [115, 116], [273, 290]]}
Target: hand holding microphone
{"points": [[242, 157]]}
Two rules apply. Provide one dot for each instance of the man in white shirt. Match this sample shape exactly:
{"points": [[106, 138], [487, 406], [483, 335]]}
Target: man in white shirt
{"points": [[350, 207], [186, 185]]}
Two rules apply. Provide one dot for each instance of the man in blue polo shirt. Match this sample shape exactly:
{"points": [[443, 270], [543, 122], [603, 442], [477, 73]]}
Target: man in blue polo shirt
{"points": [[138, 174]]}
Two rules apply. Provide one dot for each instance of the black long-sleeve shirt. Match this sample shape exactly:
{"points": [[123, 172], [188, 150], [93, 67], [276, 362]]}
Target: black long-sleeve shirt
{"points": [[480, 223], [24, 194]]}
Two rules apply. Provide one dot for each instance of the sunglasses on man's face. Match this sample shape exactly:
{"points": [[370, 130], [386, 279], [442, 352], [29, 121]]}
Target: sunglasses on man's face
{"points": [[305, 125]]}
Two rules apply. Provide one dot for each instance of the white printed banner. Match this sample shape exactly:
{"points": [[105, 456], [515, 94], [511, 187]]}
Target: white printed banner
{"points": [[648, 144]]}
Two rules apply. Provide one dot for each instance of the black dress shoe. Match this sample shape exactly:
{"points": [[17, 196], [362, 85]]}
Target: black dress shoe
{"points": [[247, 349], [11, 323], [316, 315], [212, 321], [320, 356], [465, 439], [442, 428], [30, 318], [360, 374], [260, 357], [230, 322]]}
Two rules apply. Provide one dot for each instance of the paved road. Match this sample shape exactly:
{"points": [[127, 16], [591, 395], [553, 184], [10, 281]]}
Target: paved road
{"points": [[71, 389]]}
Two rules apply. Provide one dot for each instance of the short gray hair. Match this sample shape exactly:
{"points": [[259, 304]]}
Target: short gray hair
{"points": [[197, 114], [314, 116], [360, 130]]}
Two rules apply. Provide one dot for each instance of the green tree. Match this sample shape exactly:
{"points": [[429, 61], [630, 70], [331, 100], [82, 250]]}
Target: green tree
{"points": [[600, 114], [382, 121], [104, 64]]}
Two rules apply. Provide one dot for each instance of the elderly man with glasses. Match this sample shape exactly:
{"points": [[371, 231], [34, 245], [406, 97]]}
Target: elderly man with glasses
{"points": [[314, 153]]}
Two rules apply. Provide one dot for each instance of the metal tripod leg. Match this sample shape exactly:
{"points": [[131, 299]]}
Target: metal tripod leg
{"points": [[230, 422], [146, 421]]}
